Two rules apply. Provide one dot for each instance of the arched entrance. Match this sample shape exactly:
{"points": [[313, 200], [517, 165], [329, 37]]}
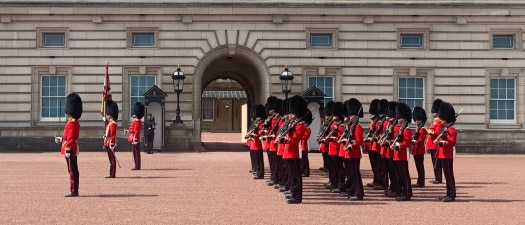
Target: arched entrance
{"points": [[232, 62]]}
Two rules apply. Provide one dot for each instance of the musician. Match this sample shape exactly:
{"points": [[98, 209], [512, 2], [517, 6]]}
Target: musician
{"points": [[69, 142], [274, 110], [256, 148], [352, 149], [418, 144], [399, 147], [110, 137], [373, 154], [291, 156], [382, 180], [134, 133], [323, 146], [445, 151], [336, 172], [305, 162], [386, 153], [433, 129]]}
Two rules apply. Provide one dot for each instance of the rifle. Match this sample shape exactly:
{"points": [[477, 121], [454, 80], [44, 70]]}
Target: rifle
{"points": [[343, 139], [444, 129], [323, 130], [252, 128], [280, 137], [266, 125], [386, 133], [399, 135], [332, 131], [376, 131], [415, 136], [372, 131], [348, 144]]}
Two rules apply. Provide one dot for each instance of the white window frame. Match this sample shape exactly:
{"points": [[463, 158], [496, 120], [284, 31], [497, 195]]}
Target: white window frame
{"points": [[421, 31], [131, 102], [323, 89], [133, 31], [422, 90], [41, 111], [332, 32], [501, 121], [41, 32]]}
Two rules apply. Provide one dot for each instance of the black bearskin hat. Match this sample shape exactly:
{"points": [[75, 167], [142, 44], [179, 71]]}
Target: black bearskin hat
{"points": [[285, 110], [112, 109], [337, 110], [271, 103], [308, 118], [419, 114], [279, 106], [138, 110], [354, 107], [382, 106], [435, 105], [259, 111], [403, 111], [391, 109], [345, 108], [328, 108], [297, 106], [374, 107], [446, 112], [74, 105]]}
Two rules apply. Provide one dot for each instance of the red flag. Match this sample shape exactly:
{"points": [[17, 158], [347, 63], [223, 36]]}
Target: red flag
{"points": [[106, 92]]}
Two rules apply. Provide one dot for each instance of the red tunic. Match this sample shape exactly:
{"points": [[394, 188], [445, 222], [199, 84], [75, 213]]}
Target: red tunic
{"points": [[256, 143], [70, 137], [419, 147], [280, 146], [111, 134], [333, 148], [355, 152], [433, 131], [383, 149], [271, 141], [379, 128], [404, 143], [447, 151], [134, 130], [304, 140], [291, 148], [368, 144]]}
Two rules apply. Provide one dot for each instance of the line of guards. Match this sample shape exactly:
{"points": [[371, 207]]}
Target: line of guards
{"points": [[281, 128]]}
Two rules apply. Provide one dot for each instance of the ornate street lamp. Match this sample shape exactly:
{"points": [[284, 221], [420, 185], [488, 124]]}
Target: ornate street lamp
{"points": [[286, 81], [178, 85]]}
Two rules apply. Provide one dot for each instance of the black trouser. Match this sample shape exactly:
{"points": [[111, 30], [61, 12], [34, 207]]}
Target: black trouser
{"points": [[149, 142], [279, 178], [404, 186], [326, 160], [296, 180], [259, 164], [391, 170], [448, 170], [271, 160], [382, 172], [252, 160], [354, 173], [72, 169], [305, 164], [112, 162], [419, 160], [339, 173], [374, 164], [136, 155], [437, 166]]}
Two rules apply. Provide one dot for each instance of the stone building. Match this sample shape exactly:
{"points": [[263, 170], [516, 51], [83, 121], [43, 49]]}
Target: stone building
{"points": [[467, 52]]}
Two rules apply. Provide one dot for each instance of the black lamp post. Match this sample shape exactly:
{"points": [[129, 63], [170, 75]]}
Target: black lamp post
{"points": [[286, 81], [178, 85]]}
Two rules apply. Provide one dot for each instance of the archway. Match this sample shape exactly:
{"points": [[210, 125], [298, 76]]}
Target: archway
{"points": [[233, 62]]}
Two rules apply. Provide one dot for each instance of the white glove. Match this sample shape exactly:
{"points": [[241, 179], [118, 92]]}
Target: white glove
{"points": [[104, 118], [112, 148], [68, 154], [134, 142], [58, 139]]}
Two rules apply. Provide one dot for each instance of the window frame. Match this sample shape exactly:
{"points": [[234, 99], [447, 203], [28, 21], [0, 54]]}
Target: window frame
{"points": [[332, 32], [41, 98], [516, 33], [512, 41], [323, 88], [424, 32], [212, 109], [41, 37], [131, 97], [502, 121], [133, 31], [415, 98], [421, 40]]}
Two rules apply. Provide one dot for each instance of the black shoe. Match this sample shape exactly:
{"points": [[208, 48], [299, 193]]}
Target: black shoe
{"points": [[379, 187], [110, 176], [345, 194], [355, 198], [390, 194], [288, 196], [276, 186], [371, 185], [257, 178], [251, 171], [292, 201], [435, 182], [321, 168], [283, 189], [71, 194], [402, 198], [448, 199], [135, 168], [150, 153], [328, 186], [337, 190], [270, 183], [287, 192], [418, 185]]}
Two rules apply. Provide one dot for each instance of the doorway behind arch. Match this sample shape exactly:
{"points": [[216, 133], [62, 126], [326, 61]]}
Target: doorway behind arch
{"points": [[223, 101]]}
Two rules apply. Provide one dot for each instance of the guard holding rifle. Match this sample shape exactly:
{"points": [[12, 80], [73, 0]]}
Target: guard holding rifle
{"points": [[327, 123], [433, 130], [256, 148], [387, 154], [446, 141], [373, 153], [400, 146], [352, 146], [110, 137], [268, 133], [418, 144]]}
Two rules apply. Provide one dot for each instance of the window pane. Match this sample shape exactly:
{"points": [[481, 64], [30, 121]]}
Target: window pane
{"points": [[143, 40], [139, 84], [503, 41], [412, 93], [321, 40], [411, 40], [54, 40], [510, 114]]}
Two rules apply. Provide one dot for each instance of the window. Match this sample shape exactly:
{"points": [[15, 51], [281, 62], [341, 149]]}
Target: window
{"points": [[411, 91], [143, 40], [411, 40], [502, 100], [207, 108], [321, 40], [139, 85], [53, 89], [54, 40], [503, 41], [325, 84]]}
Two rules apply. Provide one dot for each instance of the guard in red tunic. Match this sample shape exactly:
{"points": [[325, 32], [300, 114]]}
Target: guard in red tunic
{"points": [[291, 156], [305, 162], [400, 144], [418, 144], [445, 152], [336, 172], [382, 180], [352, 146], [387, 153], [373, 154], [110, 136], [269, 123], [69, 139], [276, 173], [323, 146], [256, 147], [134, 133], [433, 130]]}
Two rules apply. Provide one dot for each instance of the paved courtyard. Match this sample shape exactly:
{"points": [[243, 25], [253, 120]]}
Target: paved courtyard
{"points": [[216, 188]]}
